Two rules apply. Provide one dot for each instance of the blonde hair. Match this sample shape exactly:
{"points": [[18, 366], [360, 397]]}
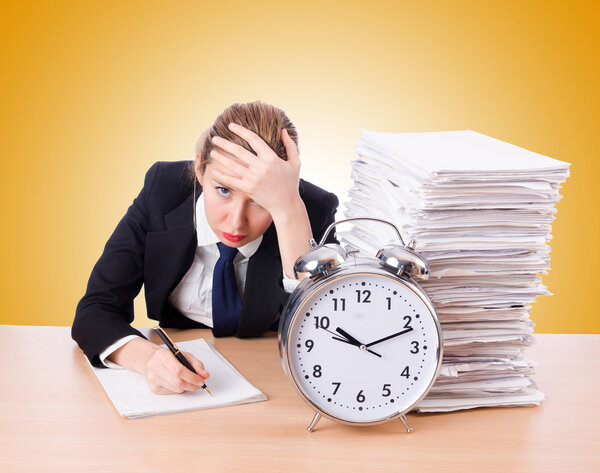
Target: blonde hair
{"points": [[263, 119]]}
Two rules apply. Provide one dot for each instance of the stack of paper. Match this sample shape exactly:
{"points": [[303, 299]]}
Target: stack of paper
{"points": [[480, 211], [131, 396]]}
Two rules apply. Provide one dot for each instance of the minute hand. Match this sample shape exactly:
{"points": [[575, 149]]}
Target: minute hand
{"points": [[397, 334]]}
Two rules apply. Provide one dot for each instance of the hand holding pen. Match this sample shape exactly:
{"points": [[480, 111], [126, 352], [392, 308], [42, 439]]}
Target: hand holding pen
{"points": [[184, 364]]}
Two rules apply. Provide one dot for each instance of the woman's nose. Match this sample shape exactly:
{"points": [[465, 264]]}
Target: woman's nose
{"points": [[237, 216]]}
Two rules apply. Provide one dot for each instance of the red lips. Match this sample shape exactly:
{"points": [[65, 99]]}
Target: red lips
{"points": [[233, 238]]}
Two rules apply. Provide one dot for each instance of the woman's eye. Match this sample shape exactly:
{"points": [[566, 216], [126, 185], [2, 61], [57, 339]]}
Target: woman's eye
{"points": [[223, 191]]}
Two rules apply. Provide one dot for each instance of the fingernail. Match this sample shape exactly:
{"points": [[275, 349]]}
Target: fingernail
{"points": [[215, 139], [231, 125]]}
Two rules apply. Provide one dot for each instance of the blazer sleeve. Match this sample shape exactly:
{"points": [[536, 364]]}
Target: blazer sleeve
{"points": [[329, 209], [321, 207], [105, 312]]}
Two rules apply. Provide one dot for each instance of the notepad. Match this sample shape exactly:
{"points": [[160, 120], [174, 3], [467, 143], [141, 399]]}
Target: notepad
{"points": [[131, 396]]}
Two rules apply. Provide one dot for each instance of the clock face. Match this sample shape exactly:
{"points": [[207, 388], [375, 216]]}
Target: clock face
{"points": [[363, 347]]}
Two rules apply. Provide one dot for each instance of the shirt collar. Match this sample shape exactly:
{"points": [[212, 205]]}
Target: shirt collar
{"points": [[207, 237]]}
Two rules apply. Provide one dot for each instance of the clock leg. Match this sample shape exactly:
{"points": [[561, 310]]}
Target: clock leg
{"points": [[404, 420], [311, 427]]}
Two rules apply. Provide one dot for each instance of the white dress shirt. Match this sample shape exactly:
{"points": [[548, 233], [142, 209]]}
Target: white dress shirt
{"points": [[193, 295]]}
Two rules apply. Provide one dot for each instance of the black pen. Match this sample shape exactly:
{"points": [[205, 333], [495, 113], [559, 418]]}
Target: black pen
{"points": [[171, 346]]}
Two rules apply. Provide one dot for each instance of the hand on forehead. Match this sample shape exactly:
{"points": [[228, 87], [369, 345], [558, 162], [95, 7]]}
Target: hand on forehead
{"points": [[231, 149], [226, 157], [233, 159], [264, 176]]}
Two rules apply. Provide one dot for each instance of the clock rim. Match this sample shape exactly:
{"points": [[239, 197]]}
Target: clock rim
{"points": [[298, 300]]}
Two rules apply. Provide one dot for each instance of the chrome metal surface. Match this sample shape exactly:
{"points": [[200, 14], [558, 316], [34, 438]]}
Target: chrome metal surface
{"points": [[321, 259], [404, 420], [316, 418], [326, 234], [404, 259]]}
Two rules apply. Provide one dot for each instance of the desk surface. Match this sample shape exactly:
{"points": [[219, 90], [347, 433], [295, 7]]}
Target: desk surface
{"points": [[56, 417]]}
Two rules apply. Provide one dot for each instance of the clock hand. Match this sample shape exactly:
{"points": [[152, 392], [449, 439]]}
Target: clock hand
{"points": [[333, 333], [341, 339], [348, 336], [397, 334], [354, 341]]}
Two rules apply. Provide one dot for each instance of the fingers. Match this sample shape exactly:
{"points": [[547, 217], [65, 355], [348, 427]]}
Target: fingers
{"points": [[166, 375], [231, 164], [255, 141], [196, 364], [242, 165], [233, 149], [229, 181], [234, 175], [168, 383], [261, 148], [180, 372], [290, 147]]}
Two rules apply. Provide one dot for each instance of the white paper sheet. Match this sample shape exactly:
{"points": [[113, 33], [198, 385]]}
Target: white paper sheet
{"points": [[132, 397], [465, 152], [481, 212]]}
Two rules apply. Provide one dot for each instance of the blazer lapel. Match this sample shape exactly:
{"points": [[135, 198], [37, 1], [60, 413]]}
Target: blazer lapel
{"points": [[169, 254], [262, 294]]}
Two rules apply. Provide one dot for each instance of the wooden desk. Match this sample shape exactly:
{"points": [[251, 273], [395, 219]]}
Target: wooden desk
{"points": [[56, 417]]}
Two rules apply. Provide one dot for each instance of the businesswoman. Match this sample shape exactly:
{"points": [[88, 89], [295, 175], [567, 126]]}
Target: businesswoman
{"points": [[213, 242]]}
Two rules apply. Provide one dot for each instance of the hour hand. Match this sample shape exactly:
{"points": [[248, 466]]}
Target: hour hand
{"points": [[352, 341], [343, 333]]}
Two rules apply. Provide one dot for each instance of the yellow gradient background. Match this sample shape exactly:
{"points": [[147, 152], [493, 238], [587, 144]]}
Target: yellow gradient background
{"points": [[93, 93]]}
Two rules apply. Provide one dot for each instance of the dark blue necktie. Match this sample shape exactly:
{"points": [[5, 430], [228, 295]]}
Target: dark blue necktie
{"points": [[226, 300]]}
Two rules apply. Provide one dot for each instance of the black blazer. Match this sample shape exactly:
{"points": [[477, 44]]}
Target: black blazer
{"points": [[154, 244]]}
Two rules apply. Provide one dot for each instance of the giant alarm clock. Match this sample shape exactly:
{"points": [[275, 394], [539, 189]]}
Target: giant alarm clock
{"points": [[359, 338]]}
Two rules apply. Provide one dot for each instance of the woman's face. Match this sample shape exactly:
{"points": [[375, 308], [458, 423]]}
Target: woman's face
{"points": [[234, 217]]}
